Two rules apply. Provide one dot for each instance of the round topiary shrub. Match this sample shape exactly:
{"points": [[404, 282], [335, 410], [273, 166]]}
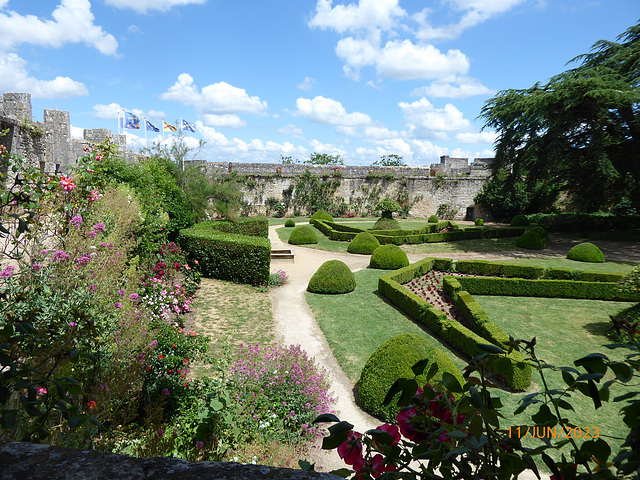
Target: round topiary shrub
{"points": [[388, 257], [321, 215], [531, 240], [433, 219], [364, 243], [520, 220], [479, 222], [303, 235], [586, 252], [387, 207], [541, 231], [332, 277], [386, 224], [393, 360], [289, 223]]}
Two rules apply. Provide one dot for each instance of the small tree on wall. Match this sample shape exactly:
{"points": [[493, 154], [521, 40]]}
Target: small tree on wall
{"points": [[387, 207]]}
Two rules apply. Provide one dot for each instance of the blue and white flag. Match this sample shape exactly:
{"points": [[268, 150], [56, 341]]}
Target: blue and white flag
{"points": [[151, 127], [190, 127], [131, 121]]}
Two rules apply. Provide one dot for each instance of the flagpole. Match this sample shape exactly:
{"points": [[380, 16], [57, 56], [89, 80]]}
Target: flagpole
{"points": [[146, 142]]}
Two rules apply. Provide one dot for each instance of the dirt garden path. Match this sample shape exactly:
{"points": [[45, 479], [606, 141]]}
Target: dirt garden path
{"points": [[295, 324]]}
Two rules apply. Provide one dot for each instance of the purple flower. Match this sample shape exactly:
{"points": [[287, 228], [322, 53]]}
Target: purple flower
{"points": [[76, 221], [165, 392], [199, 444], [83, 260], [118, 305], [36, 267], [161, 432], [121, 292], [134, 297], [73, 324], [93, 288], [60, 256], [99, 227], [7, 272]]}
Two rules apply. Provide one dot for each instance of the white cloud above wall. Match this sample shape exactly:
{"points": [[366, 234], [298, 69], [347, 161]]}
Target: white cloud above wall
{"points": [[426, 121], [144, 6], [330, 112]]}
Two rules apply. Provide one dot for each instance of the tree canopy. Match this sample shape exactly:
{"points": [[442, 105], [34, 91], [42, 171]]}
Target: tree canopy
{"points": [[578, 135]]}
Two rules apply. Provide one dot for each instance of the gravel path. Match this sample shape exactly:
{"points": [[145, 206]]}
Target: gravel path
{"points": [[295, 324]]}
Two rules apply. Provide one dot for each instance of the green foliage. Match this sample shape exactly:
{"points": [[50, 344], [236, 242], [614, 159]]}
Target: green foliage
{"points": [[324, 159], [519, 220], [391, 160], [252, 226], [433, 219], [447, 211], [498, 269], [532, 240], [321, 215], [303, 235], [333, 277], [289, 222], [363, 243], [386, 224], [387, 207], [228, 256], [581, 222], [577, 133], [388, 257], [586, 252], [393, 360], [479, 222]]}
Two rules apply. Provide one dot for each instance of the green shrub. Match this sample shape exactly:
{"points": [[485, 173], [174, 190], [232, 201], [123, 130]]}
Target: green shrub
{"points": [[303, 235], [289, 223], [386, 224], [479, 222], [252, 226], [228, 256], [433, 219], [321, 215], [541, 231], [333, 277], [393, 360], [586, 252], [531, 240], [387, 207], [364, 243], [388, 257], [519, 221]]}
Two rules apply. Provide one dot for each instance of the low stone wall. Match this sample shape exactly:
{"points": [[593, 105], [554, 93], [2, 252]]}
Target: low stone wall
{"points": [[45, 462]]}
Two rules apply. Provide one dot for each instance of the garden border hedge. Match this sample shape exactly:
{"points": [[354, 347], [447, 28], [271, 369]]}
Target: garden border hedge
{"points": [[517, 372], [341, 232], [229, 256]]}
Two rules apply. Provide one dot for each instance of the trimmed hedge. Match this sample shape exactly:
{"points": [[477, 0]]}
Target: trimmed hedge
{"points": [[321, 215], [363, 243], [393, 360], [586, 252], [532, 240], [479, 222], [289, 222], [253, 226], [580, 222], [517, 372], [388, 257], [433, 219], [386, 223], [498, 269], [519, 220], [228, 256], [303, 235], [333, 277], [520, 287]]}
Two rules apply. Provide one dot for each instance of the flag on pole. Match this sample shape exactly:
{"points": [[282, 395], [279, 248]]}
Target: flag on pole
{"points": [[190, 127], [131, 121], [166, 127], [151, 127]]}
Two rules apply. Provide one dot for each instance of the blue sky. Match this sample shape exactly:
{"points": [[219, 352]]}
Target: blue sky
{"points": [[359, 78]]}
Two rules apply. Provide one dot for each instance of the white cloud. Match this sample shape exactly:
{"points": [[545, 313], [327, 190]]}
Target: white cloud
{"points": [[73, 22], [479, 137], [143, 6], [319, 147], [425, 120], [107, 111], [406, 61], [292, 130], [366, 14], [446, 88], [76, 132], [156, 114], [217, 98], [227, 120], [329, 112], [307, 84], [15, 78]]}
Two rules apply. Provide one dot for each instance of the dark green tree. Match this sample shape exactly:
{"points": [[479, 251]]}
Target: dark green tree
{"points": [[578, 134], [324, 159]]}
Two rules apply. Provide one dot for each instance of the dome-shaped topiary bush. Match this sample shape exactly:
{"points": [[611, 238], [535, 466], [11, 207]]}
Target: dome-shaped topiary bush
{"points": [[433, 219], [321, 215], [541, 231], [386, 224], [388, 257], [332, 277], [586, 252], [520, 220], [531, 240], [387, 207], [289, 223], [364, 243], [393, 360], [479, 222], [303, 235]]}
